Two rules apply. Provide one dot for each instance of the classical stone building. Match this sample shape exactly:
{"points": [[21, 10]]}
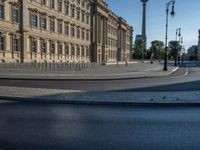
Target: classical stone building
{"points": [[62, 31]]}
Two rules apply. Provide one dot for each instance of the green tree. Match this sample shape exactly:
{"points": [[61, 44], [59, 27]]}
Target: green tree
{"points": [[157, 49], [174, 50], [148, 54], [138, 49]]}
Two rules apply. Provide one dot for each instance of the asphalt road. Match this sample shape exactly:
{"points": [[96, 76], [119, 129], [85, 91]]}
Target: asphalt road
{"points": [[27, 126], [185, 79], [37, 126]]}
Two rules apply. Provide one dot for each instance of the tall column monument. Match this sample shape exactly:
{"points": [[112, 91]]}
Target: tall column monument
{"points": [[144, 35]]}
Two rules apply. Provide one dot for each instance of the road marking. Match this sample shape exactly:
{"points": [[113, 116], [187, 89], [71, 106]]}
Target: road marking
{"points": [[174, 70], [184, 75]]}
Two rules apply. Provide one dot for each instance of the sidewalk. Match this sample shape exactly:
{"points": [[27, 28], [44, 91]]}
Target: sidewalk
{"points": [[35, 95], [108, 72]]}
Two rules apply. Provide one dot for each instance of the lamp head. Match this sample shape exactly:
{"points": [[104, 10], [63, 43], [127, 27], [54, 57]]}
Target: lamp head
{"points": [[179, 34], [144, 1], [173, 12]]}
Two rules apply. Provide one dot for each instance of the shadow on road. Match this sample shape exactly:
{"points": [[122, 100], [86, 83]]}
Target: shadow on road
{"points": [[186, 86]]}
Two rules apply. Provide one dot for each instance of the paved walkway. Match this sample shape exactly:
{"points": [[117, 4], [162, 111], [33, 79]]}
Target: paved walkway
{"points": [[133, 70], [84, 97]]}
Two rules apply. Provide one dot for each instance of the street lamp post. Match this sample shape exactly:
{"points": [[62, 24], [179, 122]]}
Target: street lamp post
{"points": [[180, 40], [178, 33], [172, 2]]}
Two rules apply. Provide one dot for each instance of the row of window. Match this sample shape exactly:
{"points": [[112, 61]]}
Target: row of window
{"points": [[43, 20], [112, 31], [15, 14], [80, 50], [69, 49], [78, 32], [112, 21], [127, 37], [15, 45], [52, 4], [70, 10], [112, 43], [112, 54]]}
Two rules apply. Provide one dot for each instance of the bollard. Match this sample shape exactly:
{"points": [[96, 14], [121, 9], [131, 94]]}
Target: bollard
{"points": [[76, 67], [79, 65]]}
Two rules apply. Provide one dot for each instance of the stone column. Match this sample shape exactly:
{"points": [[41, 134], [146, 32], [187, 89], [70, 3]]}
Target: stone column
{"points": [[56, 47], [106, 31], [99, 29], [74, 56], [95, 28], [102, 29], [48, 46], [70, 53], [38, 41], [7, 40]]}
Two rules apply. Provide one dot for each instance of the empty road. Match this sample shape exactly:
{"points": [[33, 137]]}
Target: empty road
{"points": [[28, 126]]}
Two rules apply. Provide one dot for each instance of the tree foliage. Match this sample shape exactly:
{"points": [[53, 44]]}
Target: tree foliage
{"points": [[157, 49], [174, 50], [138, 50]]}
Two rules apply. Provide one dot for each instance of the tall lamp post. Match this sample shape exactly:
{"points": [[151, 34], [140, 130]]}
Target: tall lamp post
{"points": [[178, 33], [180, 40], [172, 2]]}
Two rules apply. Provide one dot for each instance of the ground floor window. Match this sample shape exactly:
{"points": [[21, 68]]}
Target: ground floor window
{"points": [[43, 46], [66, 49], [33, 45], [1, 43], [78, 50], [60, 48], [82, 51], [15, 43], [52, 47], [73, 50], [87, 51]]}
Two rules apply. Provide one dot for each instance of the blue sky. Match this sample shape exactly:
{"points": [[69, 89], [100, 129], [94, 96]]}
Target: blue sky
{"points": [[187, 17]]}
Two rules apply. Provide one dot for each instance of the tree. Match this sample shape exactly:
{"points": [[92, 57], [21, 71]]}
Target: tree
{"points": [[175, 50], [157, 49], [138, 50]]}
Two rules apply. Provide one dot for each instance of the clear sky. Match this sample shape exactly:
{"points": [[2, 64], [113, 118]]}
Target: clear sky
{"points": [[187, 18]]}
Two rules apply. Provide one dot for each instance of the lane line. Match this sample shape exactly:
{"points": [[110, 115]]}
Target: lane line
{"points": [[173, 70], [184, 75]]}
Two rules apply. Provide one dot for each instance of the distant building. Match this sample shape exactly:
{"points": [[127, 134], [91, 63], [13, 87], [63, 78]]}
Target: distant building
{"points": [[193, 52], [138, 37]]}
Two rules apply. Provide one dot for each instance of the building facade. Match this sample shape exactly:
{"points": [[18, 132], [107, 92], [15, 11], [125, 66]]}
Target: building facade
{"points": [[198, 55], [62, 31], [193, 52]]}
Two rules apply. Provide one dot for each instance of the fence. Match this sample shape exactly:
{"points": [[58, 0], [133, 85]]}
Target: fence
{"points": [[50, 66]]}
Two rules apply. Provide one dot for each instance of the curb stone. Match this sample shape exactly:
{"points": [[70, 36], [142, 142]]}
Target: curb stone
{"points": [[100, 79], [80, 102]]}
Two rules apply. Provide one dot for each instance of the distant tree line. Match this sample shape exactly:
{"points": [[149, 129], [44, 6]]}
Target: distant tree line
{"points": [[157, 50]]}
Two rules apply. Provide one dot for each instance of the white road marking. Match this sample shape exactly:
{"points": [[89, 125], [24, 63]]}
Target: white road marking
{"points": [[184, 75], [174, 70]]}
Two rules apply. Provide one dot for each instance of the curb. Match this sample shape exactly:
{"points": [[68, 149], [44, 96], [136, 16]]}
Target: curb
{"points": [[79, 102], [100, 79]]}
